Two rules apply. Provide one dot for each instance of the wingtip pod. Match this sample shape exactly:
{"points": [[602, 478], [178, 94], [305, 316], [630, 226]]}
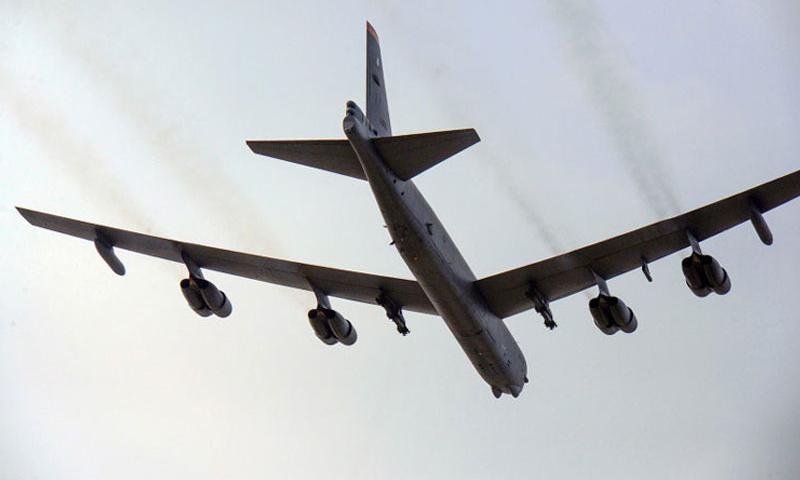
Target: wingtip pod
{"points": [[106, 251]]}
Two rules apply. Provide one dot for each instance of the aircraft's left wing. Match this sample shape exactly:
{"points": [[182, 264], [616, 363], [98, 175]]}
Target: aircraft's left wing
{"points": [[571, 272], [360, 287]]}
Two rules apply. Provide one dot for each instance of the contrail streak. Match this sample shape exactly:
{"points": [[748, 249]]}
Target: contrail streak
{"points": [[186, 161], [500, 173], [591, 54], [528, 210], [506, 183], [79, 159]]}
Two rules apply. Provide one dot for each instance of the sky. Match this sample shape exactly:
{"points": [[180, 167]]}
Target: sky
{"points": [[595, 118]]}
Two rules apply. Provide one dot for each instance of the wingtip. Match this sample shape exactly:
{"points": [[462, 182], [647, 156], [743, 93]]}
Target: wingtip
{"points": [[477, 137], [371, 31], [26, 214], [259, 147]]}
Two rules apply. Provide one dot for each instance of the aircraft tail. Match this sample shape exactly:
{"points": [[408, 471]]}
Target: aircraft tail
{"points": [[406, 155], [377, 104]]}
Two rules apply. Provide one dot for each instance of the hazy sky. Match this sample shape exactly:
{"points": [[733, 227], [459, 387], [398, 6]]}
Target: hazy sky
{"points": [[595, 118]]}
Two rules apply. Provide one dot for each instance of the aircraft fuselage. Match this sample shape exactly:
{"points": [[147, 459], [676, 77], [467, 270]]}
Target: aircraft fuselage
{"points": [[438, 266]]}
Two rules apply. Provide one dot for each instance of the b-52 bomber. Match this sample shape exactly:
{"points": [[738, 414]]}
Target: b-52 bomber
{"points": [[472, 308]]}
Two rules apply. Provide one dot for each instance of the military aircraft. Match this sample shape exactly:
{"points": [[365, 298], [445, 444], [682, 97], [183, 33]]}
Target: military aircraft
{"points": [[472, 308]]}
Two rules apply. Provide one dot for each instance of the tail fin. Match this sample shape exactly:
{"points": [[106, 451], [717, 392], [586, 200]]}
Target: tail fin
{"points": [[406, 155], [377, 105]]}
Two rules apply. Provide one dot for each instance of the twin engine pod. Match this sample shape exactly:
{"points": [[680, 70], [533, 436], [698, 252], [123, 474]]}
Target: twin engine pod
{"points": [[705, 275], [611, 314], [330, 327], [205, 298]]}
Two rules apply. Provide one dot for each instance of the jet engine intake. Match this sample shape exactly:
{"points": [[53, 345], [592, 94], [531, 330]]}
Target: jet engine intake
{"points": [[705, 275], [330, 326], [215, 299], [320, 326], [193, 297], [610, 314]]}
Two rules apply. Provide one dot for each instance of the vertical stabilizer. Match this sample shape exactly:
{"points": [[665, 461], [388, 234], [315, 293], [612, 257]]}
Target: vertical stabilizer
{"points": [[377, 105]]}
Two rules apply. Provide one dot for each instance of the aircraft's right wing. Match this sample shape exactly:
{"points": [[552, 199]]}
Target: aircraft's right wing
{"points": [[360, 287], [569, 273]]}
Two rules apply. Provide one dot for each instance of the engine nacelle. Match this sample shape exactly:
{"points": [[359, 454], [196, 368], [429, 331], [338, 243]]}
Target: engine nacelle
{"points": [[320, 325], [704, 274], [342, 329], [216, 300], [610, 314], [325, 320], [193, 297]]}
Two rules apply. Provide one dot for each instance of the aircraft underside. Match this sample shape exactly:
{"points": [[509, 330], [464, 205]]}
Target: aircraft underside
{"points": [[414, 229]]}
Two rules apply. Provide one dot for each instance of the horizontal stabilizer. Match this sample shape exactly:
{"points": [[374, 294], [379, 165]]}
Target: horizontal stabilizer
{"points": [[406, 155], [333, 155], [410, 155]]}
